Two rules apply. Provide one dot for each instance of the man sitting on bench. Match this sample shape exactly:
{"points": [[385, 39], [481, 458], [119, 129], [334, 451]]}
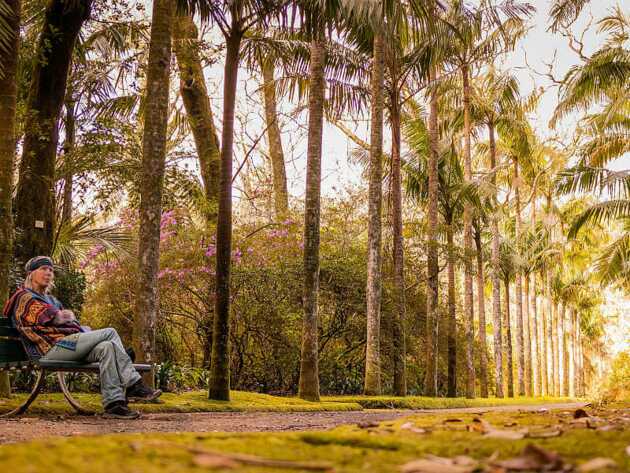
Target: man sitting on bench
{"points": [[52, 333]]}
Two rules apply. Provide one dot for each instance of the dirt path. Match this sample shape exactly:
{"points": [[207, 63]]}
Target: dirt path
{"points": [[33, 428]]}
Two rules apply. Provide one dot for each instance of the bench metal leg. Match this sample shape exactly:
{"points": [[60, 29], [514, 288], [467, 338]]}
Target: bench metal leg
{"points": [[39, 384], [72, 401]]}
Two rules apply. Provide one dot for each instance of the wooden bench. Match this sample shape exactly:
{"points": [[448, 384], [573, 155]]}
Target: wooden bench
{"points": [[13, 357]]}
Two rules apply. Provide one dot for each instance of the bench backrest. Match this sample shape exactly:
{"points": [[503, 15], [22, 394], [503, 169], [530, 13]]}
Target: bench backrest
{"points": [[11, 349]]}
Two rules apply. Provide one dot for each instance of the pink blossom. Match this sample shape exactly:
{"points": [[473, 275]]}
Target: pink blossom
{"points": [[211, 251], [236, 255]]}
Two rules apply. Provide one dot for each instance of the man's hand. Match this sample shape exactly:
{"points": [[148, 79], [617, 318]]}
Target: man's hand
{"points": [[63, 317]]}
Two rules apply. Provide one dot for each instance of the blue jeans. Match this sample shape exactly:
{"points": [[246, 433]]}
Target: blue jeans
{"points": [[105, 348]]}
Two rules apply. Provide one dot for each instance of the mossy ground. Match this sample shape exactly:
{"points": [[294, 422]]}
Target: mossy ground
{"points": [[197, 401], [419, 402], [349, 448], [193, 401]]}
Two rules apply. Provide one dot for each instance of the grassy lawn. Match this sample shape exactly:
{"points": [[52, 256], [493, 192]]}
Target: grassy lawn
{"points": [[194, 401], [197, 401], [419, 402], [347, 449]]}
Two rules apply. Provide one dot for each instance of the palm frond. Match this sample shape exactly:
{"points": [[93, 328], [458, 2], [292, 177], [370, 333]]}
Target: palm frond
{"points": [[75, 239], [608, 70], [565, 12], [602, 212], [587, 179], [613, 266]]}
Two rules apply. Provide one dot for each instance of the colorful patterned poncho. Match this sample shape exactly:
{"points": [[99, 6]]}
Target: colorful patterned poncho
{"points": [[32, 314]]}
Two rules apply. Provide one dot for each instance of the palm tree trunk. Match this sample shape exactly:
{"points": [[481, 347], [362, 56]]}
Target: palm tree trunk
{"points": [[496, 281], [68, 149], [192, 87], [483, 349], [8, 102], [219, 384], [153, 159], [556, 348], [544, 340], [451, 336], [35, 196], [508, 341], [528, 338], [564, 360], [548, 361], [431, 349], [536, 351], [520, 339], [469, 313], [281, 195], [580, 356], [309, 369], [572, 371], [399, 345], [373, 290]]}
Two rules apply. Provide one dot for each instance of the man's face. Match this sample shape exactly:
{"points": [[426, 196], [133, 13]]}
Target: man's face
{"points": [[43, 276]]}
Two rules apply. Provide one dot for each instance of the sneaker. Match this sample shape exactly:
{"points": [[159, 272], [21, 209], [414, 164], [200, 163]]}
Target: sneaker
{"points": [[140, 392], [119, 410]]}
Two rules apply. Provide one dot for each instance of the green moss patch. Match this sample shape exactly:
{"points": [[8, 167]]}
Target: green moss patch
{"points": [[194, 401], [347, 449], [419, 402], [197, 401]]}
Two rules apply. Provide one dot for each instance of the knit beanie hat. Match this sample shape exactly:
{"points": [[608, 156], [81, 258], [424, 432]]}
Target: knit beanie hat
{"points": [[38, 262]]}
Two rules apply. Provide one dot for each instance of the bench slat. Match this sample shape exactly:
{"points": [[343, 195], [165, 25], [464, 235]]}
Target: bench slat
{"points": [[6, 330], [12, 350], [9, 332], [76, 366]]}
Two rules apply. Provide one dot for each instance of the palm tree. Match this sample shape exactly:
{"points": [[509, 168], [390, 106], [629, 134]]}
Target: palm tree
{"points": [[276, 153], [263, 51], [431, 345], [194, 93], [453, 192], [309, 362], [234, 19], [35, 211], [8, 99], [153, 159], [483, 349], [477, 36], [375, 189], [496, 98]]}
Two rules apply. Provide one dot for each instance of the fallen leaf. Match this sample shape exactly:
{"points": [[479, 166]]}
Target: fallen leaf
{"points": [[367, 425], [488, 430], [580, 413], [545, 434], [597, 464], [504, 434], [531, 458], [519, 464], [607, 428], [546, 457], [433, 464], [412, 428], [214, 462]]}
